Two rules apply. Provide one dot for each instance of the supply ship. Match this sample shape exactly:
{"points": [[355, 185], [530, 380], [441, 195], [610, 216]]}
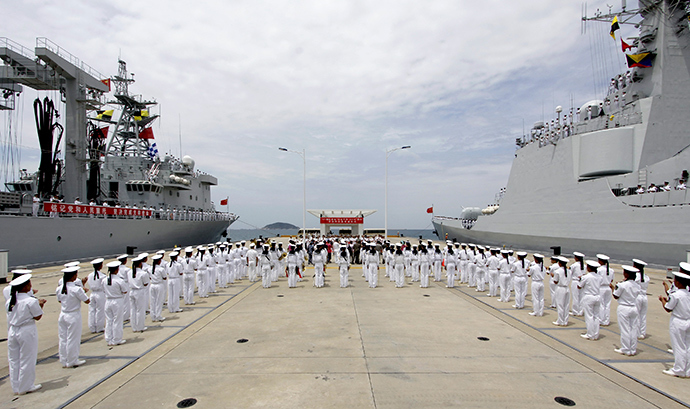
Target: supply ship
{"points": [[102, 189], [608, 177]]}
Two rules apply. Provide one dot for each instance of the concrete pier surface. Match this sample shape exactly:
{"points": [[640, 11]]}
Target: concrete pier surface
{"points": [[354, 347]]}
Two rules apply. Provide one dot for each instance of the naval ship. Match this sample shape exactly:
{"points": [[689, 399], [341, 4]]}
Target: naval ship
{"points": [[584, 181], [102, 187]]}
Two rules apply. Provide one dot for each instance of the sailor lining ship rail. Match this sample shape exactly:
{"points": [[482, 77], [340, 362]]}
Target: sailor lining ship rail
{"points": [[590, 178], [111, 161]]}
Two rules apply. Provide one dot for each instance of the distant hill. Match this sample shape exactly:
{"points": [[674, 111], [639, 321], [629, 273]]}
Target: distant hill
{"points": [[280, 226]]}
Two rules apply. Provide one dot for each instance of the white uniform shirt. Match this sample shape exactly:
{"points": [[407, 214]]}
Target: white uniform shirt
{"points": [[173, 269], [519, 268], [537, 272], [95, 285], [679, 304], [590, 284], [189, 265], [71, 301], [158, 275], [627, 292], [117, 289], [607, 276], [140, 281], [24, 311]]}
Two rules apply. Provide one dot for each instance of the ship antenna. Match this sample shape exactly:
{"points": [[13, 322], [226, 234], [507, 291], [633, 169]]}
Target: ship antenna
{"points": [[179, 131]]}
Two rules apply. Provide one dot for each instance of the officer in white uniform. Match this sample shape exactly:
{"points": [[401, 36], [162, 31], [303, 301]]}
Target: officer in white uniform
{"points": [[158, 283], [504, 276], [589, 285], [115, 289], [138, 282], [189, 265], [577, 269], [23, 310], [607, 274], [519, 273], [492, 264], [174, 273], [252, 258], [70, 296], [643, 280], [626, 293], [97, 305], [537, 273], [678, 304]]}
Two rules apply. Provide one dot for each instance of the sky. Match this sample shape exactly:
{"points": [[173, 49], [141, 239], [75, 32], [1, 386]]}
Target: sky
{"points": [[346, 81]]}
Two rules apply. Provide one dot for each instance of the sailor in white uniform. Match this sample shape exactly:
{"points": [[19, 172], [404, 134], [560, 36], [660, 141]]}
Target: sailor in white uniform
{"points": [[252, 258], [415, 264], [319, 260], [626, 293], [123, 272], [437, 261], [537, 273], [174, 273], [678, 304], [138, 282], [480, 262], [492, 264], [607, 274], [399, 266], [23, 310], [451, 267], [577, 269], [70, 296], [643, 280], [203, 263], [519, 273], [115, 289], [189, 264], [222, 265], [504, 276], [373, 259], [552, 286], [424, 267], [292, 266], [462, 256], [589, 285], [97, 305], [344, 267], [265, 267], [158, 283], [562, 281]]}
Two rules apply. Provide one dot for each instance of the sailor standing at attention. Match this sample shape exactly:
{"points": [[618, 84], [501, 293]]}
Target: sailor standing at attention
{"points": [[451, 267], [424, 267], [174, 272], [606, 274], [265, 267], [344, 267], [437, 260], [189, 264], [415, 264], [492, 264], [462, 256], [373, 258], [562, 281], [589, 285], [504, 276], [70, 296], [537, 272], [123, 272], [138, 288], [552, 286], [158, 282], [97, 305], [203, 263], [480, 261], [471, 266], [399, 265], [577, 269], [678, 304], [211, 269], [519, 272], [115, 289], [222, 266], [626, 293], [292, 263], [319, 259], [23, 310], [252, 258]]}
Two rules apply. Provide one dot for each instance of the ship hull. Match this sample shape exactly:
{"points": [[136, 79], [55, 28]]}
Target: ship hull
{"points": [[33, 241]]}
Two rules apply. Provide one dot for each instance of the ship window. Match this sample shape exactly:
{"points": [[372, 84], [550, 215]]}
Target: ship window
{"points": [[129, 188], [170, 191], [147, 188], [196, 198], [178, 194], [190, 197]]}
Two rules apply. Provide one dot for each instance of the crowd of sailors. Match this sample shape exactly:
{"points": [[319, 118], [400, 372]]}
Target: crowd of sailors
{"points": [[162, 213], [129, 288]]}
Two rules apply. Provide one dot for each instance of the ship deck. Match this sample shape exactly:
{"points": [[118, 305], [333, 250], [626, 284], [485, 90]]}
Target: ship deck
{"points": [[353, 348]]}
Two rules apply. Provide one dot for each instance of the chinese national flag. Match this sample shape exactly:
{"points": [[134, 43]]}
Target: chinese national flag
{"points": [[224, 202], [430, 210]]}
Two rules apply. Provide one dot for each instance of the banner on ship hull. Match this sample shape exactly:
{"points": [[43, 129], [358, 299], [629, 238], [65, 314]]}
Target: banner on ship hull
{"points": [[97, 210]]}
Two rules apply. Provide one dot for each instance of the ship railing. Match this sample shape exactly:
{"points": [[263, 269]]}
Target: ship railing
{"points": [[17, 48], [46, 43], [663, 198]]}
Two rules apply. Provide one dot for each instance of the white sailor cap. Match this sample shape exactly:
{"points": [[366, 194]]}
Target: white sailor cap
{"points": [[113, 264], [510, 251], [539, 256], [137, 258], [578, 254], [505, 252], [400, 245], [160, 252], [457, 244], [20, 280], [437, 245], [678, 274], [143, 255], [97, 261], [265, 246], [593, 264], [20, 271], [637, 261], [72, 264], [188, 249], [684, 267], [463, 244], [201, 248], [122, 256], [630, 269], [218, 243], [521, 253], [252, 245], [562, 259], [69, 270], [414, 246], [449, 242], [174, 254], [603, 257], [243, 242], [157, 257]]}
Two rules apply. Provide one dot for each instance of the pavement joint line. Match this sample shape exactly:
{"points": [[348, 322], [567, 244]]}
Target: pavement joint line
{"points": [[501, 315], [160, 344], [623, 361], [364, 352]]}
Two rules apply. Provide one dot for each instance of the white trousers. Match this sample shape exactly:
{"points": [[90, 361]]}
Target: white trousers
{"points": [[174, 289], [22, 351], [157, 298], [373, 275], [202, 283], [538, 298], [252, 272], [464, 276], [493, 283], [188, 288], [562, 300], [69, 337], [292, 276], [641, 303], [212, 275], [436, 267], [222, 275], [450, 275], [97, 311], [679, 330], [424, 275], [415, 271], [520, 284], [399, 275], [605, 310], [504, 282], [628, 324], [137, 305], [114, 308], [590, 307], [344, 275], [318, 275], [266, 276], [577, 298]]}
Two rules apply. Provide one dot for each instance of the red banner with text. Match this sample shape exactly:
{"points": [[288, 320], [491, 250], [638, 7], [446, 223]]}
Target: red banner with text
{"points": [[86, 209], [342, 220]]}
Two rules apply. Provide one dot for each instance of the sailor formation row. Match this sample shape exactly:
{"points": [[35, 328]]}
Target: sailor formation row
{"points": [[118, 294]]}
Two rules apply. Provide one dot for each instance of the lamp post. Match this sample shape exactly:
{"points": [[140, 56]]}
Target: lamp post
{"points": [[303, 154], [388, 152]]}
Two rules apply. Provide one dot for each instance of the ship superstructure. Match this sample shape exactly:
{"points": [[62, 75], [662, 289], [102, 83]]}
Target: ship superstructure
{"points": [[584, 180]]}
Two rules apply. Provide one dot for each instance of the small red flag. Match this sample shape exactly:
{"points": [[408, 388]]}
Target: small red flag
{"points": [[430, 210], [103, 133], [625, 46], [146, 134], [106, 82], [224, 202]]}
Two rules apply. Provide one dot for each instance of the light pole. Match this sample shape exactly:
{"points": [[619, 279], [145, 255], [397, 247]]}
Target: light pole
{"points": [[388, 152], [303, 154]]}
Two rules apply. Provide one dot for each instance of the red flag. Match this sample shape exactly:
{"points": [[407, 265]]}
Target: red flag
{"points": [[625, 46], [224, 202], [104, 132], [106, 82], [430, 210], [146, 134]]}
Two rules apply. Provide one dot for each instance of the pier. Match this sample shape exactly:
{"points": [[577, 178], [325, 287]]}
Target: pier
{"points": [[356, 347]]}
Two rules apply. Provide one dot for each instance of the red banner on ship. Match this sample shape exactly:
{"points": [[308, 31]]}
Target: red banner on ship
{"points": [[98, 210], [342, 220]]}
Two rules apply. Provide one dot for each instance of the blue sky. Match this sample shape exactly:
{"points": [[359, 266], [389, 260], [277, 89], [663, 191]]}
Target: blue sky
{"points": [[344, 80]]}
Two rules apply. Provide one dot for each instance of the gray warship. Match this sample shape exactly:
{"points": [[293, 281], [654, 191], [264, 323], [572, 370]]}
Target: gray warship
{"points": [[131, 199], [584, 181]]}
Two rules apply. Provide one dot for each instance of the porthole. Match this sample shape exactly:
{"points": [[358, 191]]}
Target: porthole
{"points": [[59, 238], [111, 234]]}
